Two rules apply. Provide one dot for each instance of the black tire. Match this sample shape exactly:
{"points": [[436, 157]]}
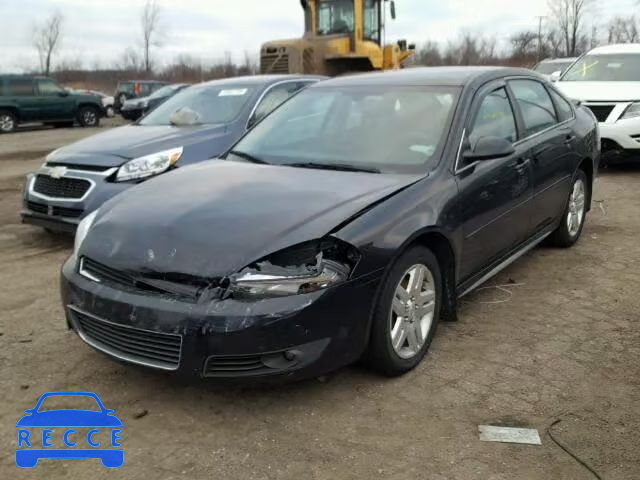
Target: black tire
{"points": [[89, 116], [563, 236], [381, 355], [8, 121]]}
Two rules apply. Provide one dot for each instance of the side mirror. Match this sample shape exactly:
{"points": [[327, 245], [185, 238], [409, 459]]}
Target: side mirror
{"points": [[412, 47], [63, 93], [393, 10], [555, 76], [488, 148]]}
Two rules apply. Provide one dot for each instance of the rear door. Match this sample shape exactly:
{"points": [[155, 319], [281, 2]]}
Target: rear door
{"points": [[547, 124], [54, 101], [20, 91], [496, 194]]}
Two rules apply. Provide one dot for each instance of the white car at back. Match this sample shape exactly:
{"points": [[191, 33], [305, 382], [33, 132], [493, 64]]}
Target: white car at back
{"points": [[607, 81]]}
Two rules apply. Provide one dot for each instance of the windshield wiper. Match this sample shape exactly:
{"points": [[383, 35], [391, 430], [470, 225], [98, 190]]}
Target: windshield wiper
{"points": [[248, 157], [342, 167]]}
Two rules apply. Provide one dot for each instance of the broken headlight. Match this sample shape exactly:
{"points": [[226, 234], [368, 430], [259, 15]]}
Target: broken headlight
{"points": [[304, 268]]}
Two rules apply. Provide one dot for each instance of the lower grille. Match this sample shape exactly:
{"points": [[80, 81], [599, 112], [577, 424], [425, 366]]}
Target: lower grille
{"points": [[274, 63], [55, 211], [161, 350], [63, 187], [601, 112]]}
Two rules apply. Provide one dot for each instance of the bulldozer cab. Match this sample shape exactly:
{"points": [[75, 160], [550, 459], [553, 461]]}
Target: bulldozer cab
{"points": [[340, 36]]}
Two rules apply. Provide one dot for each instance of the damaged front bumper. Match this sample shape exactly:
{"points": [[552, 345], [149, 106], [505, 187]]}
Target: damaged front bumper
{"points": [[295, 336]]}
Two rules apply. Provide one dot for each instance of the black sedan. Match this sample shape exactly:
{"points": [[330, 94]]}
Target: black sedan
{"points": [[135, 108], [347, 223], [197, 124]]}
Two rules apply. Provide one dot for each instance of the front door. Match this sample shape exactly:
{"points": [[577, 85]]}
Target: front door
{"points": [[496, 194], [55, 102]]}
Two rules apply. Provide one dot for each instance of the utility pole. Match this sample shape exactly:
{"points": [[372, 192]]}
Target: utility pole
{"points": [[540, 18]]}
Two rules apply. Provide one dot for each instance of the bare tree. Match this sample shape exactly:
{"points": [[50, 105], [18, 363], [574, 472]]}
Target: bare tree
{"points": [[46, 39], [569, 15], [623, 30], [150, 20]]}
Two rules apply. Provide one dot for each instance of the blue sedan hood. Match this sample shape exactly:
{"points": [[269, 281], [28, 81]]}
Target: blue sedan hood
{"points": [[213, 218], [116, 146]]}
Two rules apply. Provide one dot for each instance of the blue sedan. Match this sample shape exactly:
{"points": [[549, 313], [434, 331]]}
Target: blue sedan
{"points": [[198, 123]]}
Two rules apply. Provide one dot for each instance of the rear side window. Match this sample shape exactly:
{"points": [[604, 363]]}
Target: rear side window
{"points": [[20, 87], [535, 104], [565, 112], [495, 118], [273, 98]]}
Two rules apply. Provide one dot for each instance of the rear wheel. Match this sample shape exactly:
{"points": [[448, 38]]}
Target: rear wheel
{"points": [[89, 117], [407, 312], [570, 229], [8, 121]]}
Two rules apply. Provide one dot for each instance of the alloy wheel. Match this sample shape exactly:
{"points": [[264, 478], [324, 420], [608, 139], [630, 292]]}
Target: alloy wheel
{"points": [[89, 118], [412, 311], [575, 213], [6, 123]]}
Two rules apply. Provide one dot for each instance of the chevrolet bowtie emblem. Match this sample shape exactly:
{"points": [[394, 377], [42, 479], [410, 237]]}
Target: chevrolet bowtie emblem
{"points": [[57, 172]]}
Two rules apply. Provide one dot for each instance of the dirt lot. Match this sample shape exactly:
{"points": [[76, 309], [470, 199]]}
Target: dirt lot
{"points": [[563, 343]]}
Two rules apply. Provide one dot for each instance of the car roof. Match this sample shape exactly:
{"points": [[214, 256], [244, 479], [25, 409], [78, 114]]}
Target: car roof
{"points": [[616, 48], [559, 60], [422, 76], [259, 79]]}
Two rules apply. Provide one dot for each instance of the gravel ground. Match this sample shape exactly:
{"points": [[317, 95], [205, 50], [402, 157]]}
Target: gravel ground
{"points": [[560, 341]]}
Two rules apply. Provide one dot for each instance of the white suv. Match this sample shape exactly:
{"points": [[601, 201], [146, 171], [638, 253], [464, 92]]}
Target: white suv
{"points": [[607, 80]]}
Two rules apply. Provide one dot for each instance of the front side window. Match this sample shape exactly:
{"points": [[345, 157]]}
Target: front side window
{"points": [[494, 118], [335, 16], [201, 105], [48, 88], [20, 87], [605, 68], [535, 105], [390, 129]]}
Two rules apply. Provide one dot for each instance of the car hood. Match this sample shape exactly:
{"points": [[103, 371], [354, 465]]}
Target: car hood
{"points": [[69, 418], [601, 91], [114, 147], [222, 216]]}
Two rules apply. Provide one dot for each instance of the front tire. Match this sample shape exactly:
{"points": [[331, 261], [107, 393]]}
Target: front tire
{"points": [[570, 228], [89, 117], [8, 121], [407, 313]]}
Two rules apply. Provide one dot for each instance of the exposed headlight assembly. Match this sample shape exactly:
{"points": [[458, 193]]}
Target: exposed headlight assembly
{"points": [[632, 111], [148, 165], [304, 268], [81, 232]]}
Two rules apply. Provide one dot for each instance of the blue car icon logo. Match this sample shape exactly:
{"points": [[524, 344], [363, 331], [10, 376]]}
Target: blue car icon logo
{"points": [[69, 433]]}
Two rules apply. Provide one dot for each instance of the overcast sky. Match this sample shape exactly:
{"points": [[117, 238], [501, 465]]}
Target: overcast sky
{"points": [[100, 30]]}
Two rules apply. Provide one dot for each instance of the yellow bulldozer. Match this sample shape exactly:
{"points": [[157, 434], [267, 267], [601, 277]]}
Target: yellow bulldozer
{"points": [[341, 36]]}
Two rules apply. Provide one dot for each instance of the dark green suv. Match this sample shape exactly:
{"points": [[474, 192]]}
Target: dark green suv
{"points": [[25, 99]]}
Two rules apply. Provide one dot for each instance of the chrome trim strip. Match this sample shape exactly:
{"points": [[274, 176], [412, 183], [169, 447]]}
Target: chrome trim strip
{"points": [[86, 274], [271, 87], [122, 356], [504, 264], [105, 173]]}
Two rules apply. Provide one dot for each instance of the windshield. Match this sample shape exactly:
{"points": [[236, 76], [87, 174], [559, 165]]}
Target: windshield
{"points": [[65, 402], [201, 105], [389, 129], [547, 68], [335, 16], [605, 68]]}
